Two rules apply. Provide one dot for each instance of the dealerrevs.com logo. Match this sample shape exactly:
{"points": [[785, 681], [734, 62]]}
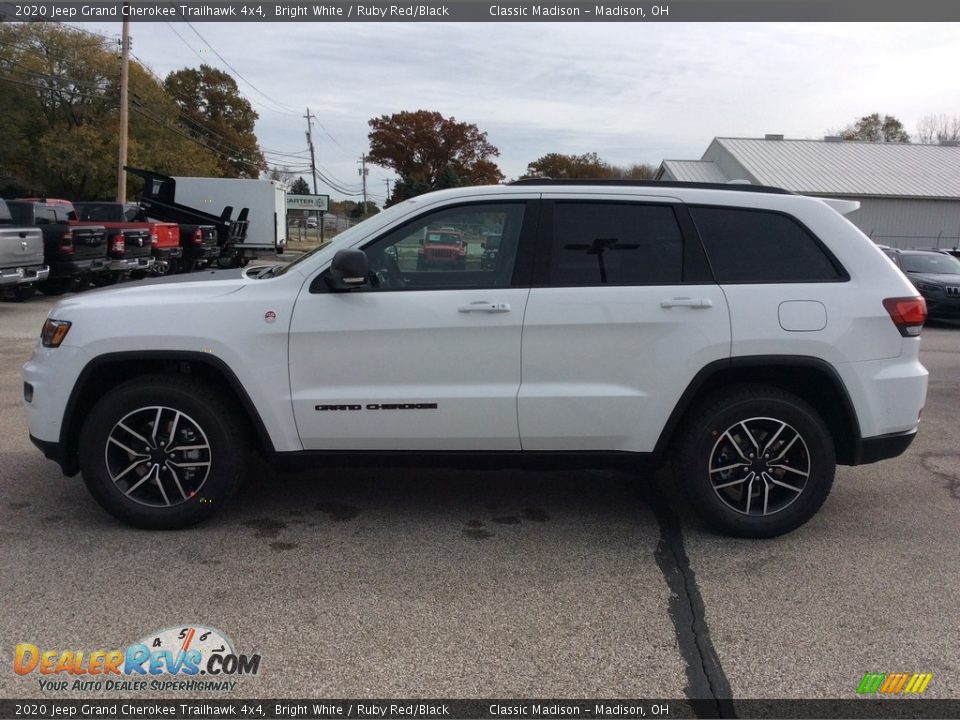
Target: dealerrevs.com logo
{"points": [[189, 657]]}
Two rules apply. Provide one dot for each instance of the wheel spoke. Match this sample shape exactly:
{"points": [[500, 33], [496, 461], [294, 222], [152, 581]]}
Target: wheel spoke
{"points": [[134, 453], [135, 463], [750, 436], [785, 450], [137, 435], [785, 485], [188, 464], [736, 447], [729, 467], [156, 426], [730, 484], [772, 440], [749, 492], [171, 437], [789, 469], [176, 481], [160, 486], [766, 492], [142, 480]]}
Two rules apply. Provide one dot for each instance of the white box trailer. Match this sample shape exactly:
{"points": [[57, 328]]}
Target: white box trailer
{"points": [[266, 201]]}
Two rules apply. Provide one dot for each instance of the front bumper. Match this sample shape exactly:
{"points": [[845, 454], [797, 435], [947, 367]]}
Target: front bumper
{"points": [[881, 447], [21, 275]]}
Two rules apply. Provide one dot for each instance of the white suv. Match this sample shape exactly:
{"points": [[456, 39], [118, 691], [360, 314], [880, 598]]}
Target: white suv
{"points": [[753, 337]]}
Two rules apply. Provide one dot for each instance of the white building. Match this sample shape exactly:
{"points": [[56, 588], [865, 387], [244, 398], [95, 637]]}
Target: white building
{"points": [[909, 194]]}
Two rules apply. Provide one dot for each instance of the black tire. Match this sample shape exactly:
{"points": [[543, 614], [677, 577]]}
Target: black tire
{"points": [[187, 266], [145, 485], [55, 286], [756, 462], [108, 278], [21, 293], [173, 266]]}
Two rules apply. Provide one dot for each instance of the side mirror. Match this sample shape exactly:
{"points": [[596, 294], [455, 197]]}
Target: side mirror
{"points": [[347, 271]]}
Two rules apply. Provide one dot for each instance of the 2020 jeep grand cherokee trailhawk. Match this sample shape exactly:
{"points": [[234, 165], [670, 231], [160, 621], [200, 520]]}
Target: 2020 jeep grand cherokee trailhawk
{"points": [[753, 337]]}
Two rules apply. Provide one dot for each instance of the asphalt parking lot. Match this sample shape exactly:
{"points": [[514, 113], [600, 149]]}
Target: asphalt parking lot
{"points": [[436, 583]]}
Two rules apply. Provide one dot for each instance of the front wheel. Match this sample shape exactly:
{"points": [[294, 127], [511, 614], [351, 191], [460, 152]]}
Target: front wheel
{"points": [[162, 451], [756, 462]]}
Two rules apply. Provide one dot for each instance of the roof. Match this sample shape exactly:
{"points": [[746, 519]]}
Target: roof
{"points": [[845, 168], [694, 171]]}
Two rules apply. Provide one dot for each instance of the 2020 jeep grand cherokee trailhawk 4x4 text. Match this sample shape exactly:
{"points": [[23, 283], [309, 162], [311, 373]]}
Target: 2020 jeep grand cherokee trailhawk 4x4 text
{"points": [[753, 337]]}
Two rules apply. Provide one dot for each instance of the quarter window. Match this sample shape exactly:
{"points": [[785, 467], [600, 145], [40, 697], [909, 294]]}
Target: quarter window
{"points": [[755, 246], [608, 243]]}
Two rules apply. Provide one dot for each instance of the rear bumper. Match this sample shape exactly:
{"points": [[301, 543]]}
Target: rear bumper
{"points": [[201, 252], [168, 253], [142, 263], [18, 276], [72, 268], [882, 447]]}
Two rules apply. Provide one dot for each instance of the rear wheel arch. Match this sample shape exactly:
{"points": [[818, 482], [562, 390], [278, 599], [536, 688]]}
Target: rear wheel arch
{"points": [[812, 379], [108, 371]]}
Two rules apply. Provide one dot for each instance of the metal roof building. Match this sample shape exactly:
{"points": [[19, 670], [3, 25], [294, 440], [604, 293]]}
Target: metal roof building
{"points": [[909, 194]]}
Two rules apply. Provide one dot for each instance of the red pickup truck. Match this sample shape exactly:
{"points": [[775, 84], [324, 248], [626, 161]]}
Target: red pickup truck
{"points": [[164, 237]]}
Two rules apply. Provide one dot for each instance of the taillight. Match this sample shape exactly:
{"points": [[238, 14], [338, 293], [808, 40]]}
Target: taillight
{"points": [[119, 245], [66, 243], [908, 314], [154, 240], [197, 237]]}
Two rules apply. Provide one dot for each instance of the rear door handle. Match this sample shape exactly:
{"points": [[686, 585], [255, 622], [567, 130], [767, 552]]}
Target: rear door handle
{"points": [[484, 306], [698, 303]]}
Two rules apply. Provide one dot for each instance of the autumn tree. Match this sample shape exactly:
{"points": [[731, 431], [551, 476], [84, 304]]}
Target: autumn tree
{"points": [[215, 113], [588, 165], [430, 152], [60, 114], [878, 129], [938, 128]]}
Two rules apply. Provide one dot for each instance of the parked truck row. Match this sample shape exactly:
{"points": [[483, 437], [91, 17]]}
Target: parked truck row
{"points": [[54, 245]]}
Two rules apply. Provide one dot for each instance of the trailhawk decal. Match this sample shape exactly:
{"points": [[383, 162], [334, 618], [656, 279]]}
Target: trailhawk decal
{"points": [[378, 406]]}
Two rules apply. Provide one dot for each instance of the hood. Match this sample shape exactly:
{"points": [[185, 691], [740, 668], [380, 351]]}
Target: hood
{"points": [[156, 294], [936, 278]]}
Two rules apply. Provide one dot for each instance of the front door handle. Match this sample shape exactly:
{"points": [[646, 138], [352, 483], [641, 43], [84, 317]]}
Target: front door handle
{"points": [[484, 306], [698, 303]]}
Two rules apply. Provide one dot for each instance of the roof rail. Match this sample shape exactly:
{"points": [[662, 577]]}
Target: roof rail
{"points": [[652, 183]]}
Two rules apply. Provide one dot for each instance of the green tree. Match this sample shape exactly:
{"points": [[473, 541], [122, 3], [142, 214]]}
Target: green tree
{"points": [[586, 166], [216, 114], [429, 152], [299, 187], [60, 114], [878, 129]]}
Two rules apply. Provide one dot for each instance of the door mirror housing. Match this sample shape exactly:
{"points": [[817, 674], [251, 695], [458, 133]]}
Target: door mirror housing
{"points": [[348, 270]]}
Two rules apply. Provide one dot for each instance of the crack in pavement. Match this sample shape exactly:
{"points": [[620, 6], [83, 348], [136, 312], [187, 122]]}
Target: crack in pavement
{"points": [[928, 460], [707, 686]]}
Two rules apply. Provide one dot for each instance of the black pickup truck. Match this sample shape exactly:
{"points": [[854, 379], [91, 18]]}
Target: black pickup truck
{"points": [[198, 242], [21, 258], [75, 254]]}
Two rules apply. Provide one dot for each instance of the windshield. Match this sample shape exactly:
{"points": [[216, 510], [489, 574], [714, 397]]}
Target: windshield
{"points": [[933, 263], [104, 212]]}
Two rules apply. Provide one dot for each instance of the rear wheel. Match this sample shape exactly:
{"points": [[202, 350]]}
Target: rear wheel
{"points": [[55, 286], [162, 451], [756, 462], [21, 293]]}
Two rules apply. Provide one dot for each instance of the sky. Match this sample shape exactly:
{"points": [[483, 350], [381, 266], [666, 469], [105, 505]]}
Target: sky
{"points": [[631, 92]]}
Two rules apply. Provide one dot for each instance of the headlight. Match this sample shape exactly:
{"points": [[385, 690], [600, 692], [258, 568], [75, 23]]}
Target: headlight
{"points": [[927, 287], [54, 332]]}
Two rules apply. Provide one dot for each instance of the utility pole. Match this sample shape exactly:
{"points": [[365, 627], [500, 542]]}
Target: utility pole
{"points": [[363, 174], [387, 181], [124, 107], [313, 163]]}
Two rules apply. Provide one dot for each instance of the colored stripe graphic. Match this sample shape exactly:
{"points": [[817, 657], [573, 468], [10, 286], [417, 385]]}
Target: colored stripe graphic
{"points": [[894, 683], [871, 683]]}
